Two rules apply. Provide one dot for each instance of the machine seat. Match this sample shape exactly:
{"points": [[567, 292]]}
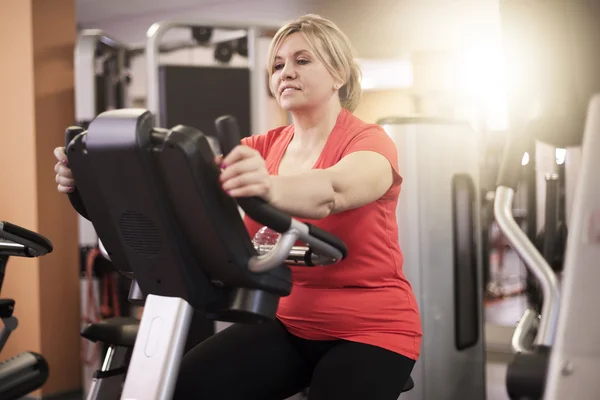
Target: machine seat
{"points": [[409, 385], [526, 374], [116, 331]]}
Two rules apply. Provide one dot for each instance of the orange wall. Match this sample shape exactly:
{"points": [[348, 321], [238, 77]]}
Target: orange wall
{"points": [[37, 104], [18, 202]]}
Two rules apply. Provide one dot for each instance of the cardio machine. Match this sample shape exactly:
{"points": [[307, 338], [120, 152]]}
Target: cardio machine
{"points": [[556, 353], [154, 199], [27, 371], [560, 362]]}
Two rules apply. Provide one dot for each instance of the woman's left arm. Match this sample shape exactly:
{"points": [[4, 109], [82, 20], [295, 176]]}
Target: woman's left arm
{"points": [[359, 178]]}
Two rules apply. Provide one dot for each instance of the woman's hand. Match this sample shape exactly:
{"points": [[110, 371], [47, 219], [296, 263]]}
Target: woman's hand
{"points": [[64, 176], [244, 174]]}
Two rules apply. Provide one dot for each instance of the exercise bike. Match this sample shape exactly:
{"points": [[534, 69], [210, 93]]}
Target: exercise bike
{"points": [[118, 334], [27, 371], [168, 224]]}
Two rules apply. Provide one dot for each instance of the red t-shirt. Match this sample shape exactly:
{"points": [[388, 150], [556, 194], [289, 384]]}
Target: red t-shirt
{"points": [[366, 297]]}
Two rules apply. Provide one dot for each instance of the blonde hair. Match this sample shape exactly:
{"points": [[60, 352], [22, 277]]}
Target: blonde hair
{"points": [[332, 48]]}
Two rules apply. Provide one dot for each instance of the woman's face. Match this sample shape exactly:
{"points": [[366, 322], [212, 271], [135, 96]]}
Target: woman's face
{"points": [[300, 81]]}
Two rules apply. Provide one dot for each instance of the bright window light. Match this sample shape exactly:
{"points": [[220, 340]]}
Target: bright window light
{"points": [[386, 74], [561, 155]]}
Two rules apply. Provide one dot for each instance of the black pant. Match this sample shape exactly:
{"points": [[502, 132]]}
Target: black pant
{"points": [[266, 362]]}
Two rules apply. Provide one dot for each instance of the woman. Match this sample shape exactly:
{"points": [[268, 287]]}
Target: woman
{"points": [[350, 330]]}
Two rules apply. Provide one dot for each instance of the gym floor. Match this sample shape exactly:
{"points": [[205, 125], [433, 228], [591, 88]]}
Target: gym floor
{"points": [[495, 381]]}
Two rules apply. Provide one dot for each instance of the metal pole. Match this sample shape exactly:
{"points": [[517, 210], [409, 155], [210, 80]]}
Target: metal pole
{"points": [[256, 81], [157, 31], [534, 261]]}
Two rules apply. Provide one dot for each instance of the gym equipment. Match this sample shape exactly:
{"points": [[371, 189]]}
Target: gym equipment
{"points": [[101, 75], [28, 371], [168, 222], [526, 373], [119, 333], [551, 46], [438, 216], [552, 63], [102, 83], [552, 239], [169, 95], [573, 361], [560, 363]]}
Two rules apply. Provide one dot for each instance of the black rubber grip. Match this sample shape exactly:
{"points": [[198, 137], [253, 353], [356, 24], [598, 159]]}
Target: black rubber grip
{"points": [[526, 374], [7, 307], [550, 231], [228, 133], [258, 209], [27, 238], [110, 373], [70, 134], [328, 238], [22, 374], [510, 169], [466, 327], [74, 196]]}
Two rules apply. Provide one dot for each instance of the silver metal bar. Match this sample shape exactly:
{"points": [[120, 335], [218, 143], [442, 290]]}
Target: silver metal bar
{"points": [[158, 30], [9, 248], [85, 70], [109, 387], [85, 73], [103, 250], [257, 76], [136, 296], [158, 349], [525, 328], [124, 87], [108, 359], [297, 256], [317, 245], [277, 255], [534, 262]]}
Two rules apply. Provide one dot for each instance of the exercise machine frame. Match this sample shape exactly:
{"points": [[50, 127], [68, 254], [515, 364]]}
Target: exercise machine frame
{"points": [[258, 77], [191, 268]]}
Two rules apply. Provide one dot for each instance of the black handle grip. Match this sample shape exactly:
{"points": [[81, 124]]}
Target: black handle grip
{"points": [[74, 196], [228, 133], [328, 238], [22, 374], [31, 240], [28, 235], [466, 281], [526, 374], [510, 169], [258, 209], [70, 134]]}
